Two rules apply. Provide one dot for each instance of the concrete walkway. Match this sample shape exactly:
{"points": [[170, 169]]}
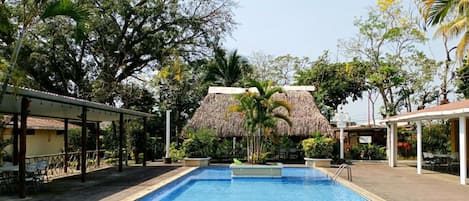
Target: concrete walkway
{"points": [[105, 184], [403, 184]]}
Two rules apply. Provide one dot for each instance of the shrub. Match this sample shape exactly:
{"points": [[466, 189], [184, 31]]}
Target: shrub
{"points": [[174, 153], [200, 143], [318, 147], [368, 151]]}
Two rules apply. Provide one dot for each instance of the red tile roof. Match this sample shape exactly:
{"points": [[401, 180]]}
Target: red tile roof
{"points": [[450, 110]]}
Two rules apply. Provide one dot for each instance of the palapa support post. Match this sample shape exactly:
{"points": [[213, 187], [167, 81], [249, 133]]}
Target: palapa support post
{"points": [[144, 162], [22, 153], [16, 133], [121, 136], [98, 132], [66, 145], [83, 144]]}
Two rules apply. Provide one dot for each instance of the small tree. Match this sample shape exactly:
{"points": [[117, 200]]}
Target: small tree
{"points": [[260, 113]]}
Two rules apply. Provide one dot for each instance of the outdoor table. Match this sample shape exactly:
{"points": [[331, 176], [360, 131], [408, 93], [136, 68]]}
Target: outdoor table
{"points": [[10, 168]]}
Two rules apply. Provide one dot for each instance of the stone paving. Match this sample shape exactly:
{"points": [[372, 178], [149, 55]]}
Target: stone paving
{"points": [[403, 184]]}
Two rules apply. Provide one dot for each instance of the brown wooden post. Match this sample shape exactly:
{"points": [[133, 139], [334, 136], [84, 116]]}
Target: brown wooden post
{"points": [[66, 145], [16, 133], [83, 144], [121, 136], [97, 144], [144, 149], [22, 153]]}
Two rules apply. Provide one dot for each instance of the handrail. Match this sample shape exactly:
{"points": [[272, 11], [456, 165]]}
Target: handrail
{"points": [[340, 169]]}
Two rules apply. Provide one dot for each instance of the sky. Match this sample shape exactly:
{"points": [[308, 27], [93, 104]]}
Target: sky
{"points": [[305, 28]]}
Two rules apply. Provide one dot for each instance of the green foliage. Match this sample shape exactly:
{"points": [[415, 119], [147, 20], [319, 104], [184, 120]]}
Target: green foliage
{"points": [[74, 140], [174, 153], [260, 115], [200, 143], [227, 70], [396, 69], [435, 138], [368, 152], [462, 80], [318, 147], [334, 82]]}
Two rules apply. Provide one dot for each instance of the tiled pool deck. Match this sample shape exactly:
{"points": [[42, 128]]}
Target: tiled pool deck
{"points": [[399, 183]]}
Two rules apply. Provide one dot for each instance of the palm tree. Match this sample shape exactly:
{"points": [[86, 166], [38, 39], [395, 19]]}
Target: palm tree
{"points": [[228, 70], [33, 12], [453, 18], [260, 112]]}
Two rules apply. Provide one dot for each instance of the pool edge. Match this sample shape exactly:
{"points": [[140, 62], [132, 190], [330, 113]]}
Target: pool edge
{"points": [[171, 176], [361, 191]]}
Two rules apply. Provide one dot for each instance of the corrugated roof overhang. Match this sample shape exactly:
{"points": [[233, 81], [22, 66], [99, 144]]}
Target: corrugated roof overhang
{"points": [[46, 104]]}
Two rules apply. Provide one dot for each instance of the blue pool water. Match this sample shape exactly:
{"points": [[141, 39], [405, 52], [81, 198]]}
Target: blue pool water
{"points": [[215, 184]]}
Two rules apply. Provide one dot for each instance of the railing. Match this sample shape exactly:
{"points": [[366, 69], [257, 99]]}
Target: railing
{"points": [[340, 169], [56, 166]]}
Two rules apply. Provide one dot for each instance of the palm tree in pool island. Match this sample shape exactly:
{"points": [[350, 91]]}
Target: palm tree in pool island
{"points": [[260, 114]]}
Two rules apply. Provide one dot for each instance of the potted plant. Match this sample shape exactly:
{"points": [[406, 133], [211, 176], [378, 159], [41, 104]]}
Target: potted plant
{"points": [[318, 151], [198, 146]]}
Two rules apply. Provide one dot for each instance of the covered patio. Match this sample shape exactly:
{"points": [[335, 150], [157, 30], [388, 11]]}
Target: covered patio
{"points": [[457, 113], [22, 102]]}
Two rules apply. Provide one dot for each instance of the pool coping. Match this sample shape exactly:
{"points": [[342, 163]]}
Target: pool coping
{"points": [[361, 191], [172, 176], [165, 179]]}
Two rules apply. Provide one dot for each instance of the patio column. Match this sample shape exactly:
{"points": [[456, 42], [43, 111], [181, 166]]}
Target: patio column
{"points": [[83, 144], [22, 153], [462, 151], [419, 147], [393, 145], [121, 136], [16, 133], [98, 132], [388, 143], [144, 162], [65, 145]]}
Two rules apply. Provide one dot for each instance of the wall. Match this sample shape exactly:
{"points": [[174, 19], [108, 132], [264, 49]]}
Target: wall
{"points": [[41, 143]]}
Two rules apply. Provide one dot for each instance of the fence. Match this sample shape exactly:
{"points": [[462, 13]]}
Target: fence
{"points": [[56, 166]]}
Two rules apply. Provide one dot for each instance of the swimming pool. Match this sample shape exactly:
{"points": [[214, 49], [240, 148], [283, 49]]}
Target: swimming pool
{"points": [[215, 184]]}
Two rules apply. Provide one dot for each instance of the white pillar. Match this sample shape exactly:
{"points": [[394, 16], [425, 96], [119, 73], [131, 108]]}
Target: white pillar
{"points": [[393, 143], [388, 143], [168, 128], [462, 151], [234, 146], [341, 143], [419, 147]]}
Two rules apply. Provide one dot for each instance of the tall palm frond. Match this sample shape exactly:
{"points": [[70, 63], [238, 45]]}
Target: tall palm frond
{"points": [[227, 70]]}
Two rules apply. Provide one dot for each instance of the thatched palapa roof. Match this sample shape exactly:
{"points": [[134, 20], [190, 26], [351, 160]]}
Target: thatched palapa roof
{"points": [[305, 116]]}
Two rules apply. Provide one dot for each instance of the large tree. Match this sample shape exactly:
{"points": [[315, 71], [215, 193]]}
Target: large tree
{"points": [[125, 39], [462, 80], [387, 40], [281, 69], [22, 16], [334, 82]]}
